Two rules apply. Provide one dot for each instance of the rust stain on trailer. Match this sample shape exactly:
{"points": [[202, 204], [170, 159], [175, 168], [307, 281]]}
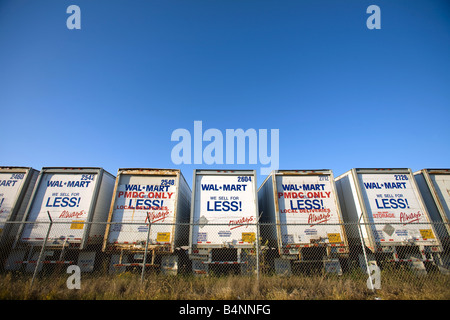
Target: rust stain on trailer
{"points": [[139, 248], [149, 171], [436, 171], [303, 172], [160, 247]]}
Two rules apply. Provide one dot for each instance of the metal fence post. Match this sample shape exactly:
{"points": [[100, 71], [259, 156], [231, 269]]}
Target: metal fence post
{"points": [[257, 248], [365, 255], [146, 248], [38, 263]]}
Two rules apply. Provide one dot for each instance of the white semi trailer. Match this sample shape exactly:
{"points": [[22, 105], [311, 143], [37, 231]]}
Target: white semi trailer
{"points": [[434, 185], [224, 217], [301, 217], [148, 223], [384, 208], [66, 214], [16, 187]]}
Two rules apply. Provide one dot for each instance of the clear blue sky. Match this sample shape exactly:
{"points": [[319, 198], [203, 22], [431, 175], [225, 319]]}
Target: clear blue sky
{"points": [[111, 94]]}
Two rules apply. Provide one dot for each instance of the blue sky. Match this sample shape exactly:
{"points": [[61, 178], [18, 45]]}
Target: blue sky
{"points": [[111, 94]]}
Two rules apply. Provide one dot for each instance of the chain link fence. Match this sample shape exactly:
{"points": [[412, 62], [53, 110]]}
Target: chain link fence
{"points": [[259, 255]]}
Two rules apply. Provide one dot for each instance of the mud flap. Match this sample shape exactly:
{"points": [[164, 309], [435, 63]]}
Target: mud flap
{"points": [[283, 267], [417, 266], [115, 258], [362, 261], [199, 268], [86, 260], [12, 262], [248, 263], [169, 265], [445, 266], [332, 266]]}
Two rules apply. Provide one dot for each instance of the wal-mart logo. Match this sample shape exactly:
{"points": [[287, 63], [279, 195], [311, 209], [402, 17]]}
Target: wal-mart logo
{"points": [[213, 153]]}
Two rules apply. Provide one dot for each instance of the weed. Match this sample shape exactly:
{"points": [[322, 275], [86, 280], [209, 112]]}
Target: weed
{"points": [[395, 285]]}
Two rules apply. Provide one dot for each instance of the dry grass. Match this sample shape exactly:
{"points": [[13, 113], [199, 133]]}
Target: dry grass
{"points": [[158, 287]]}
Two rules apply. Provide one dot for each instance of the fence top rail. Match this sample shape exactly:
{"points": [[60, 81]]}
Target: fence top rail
{"points": [[216, 223]]}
